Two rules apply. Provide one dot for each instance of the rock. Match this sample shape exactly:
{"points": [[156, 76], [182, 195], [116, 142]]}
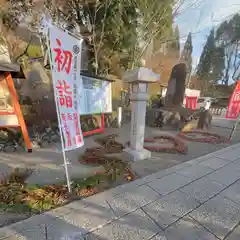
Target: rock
{"points": [[176, 86], [184, 112], [190, 126], [205, 120], [173, 119]]}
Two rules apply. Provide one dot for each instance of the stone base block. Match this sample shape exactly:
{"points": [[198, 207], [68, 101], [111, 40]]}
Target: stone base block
{"points": [[136, 155]]}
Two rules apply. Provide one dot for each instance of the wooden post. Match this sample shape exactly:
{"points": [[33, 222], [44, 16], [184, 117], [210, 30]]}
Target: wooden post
{"points": [[17, 110]]}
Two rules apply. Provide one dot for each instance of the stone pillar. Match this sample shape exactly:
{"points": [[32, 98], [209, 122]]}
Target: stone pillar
{"points": [[139, 80]]}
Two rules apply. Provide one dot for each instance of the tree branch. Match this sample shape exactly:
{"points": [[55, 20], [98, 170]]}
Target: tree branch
{"points": [[236, 64]]}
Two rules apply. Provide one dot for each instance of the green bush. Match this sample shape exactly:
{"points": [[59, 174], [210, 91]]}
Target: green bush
{"points": [[34, 51], [152, 99]]}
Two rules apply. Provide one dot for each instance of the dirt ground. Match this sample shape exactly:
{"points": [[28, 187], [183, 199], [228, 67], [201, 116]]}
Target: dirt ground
{"points": [[161, 161], [48, 162]]}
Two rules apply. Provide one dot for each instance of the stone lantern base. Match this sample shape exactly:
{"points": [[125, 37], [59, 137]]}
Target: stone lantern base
{"points": [[136, 155], [139, 80]]}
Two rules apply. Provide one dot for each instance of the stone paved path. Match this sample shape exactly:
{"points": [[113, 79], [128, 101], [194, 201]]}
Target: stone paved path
{"points": [[196, 200]]}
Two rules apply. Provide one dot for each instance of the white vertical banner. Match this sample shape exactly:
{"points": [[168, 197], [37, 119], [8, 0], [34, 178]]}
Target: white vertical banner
{"points": [[65, 54]]}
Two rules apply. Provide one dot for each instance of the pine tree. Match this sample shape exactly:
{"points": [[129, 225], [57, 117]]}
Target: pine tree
{"points": [[216, 73], [177, 39], [205, 66], [186, 55], [175, 43]]}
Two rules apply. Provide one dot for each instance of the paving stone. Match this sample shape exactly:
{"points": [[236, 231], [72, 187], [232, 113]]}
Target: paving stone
{"points": [[225, 176], [26, 225], [195, 172], [129, 201], [73, 236], [139, 182], [185, 229], [222, 151], [37, 233], [7, 218], [90, 216], [61, 211], [132, 185], [235, 165], [202, 189], [235, 235], [237, 161], [214, 163], [99, 198], [199, 159], [76, 216], [61, 229], [233, 192], [219, 215], [181, 166], [230, 156], [169, 183], [56, 228], [170, 208], [136, 225], [165, 172], [160, 236]]}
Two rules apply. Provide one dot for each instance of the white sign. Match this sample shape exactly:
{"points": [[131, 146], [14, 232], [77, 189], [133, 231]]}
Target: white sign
{"points": [[66, 61], [95, 96]]}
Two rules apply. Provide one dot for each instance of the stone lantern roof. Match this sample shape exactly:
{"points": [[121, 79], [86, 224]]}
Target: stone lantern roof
{"points": [[15, 69]]}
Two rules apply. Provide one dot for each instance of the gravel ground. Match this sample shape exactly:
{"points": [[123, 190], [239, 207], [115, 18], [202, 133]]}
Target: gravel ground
{"points": [[165, 160]]}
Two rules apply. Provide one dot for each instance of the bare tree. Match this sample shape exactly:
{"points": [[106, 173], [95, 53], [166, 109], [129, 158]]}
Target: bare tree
{"points": [[228, 37], [12, 13], [12, 45], [236, 62]]}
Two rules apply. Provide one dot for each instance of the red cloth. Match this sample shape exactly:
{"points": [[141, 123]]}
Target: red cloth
{"points": [[191, 102]]}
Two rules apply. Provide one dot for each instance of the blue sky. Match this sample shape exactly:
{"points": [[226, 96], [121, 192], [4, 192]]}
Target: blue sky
{"points": [[201, 17]]}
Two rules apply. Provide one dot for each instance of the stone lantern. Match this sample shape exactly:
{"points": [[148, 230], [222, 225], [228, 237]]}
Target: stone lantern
{"points": [[139, 79]]}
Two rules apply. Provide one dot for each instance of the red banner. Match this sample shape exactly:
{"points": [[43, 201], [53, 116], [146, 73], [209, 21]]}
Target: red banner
{"points": [[234, 104], [191, 102]]}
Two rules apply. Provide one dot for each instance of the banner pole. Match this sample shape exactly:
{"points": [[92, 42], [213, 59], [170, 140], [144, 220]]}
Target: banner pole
{"points": [[60, 126], [66, 169], [234, 128]]}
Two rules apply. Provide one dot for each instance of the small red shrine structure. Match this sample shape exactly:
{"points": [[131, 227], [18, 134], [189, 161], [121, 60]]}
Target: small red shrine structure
{"points": [[10, 110]]}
